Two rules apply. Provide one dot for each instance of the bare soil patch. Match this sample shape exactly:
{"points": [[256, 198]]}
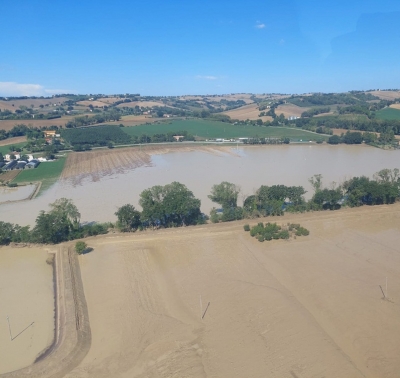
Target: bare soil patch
{"points": [[8, 176], [9, 124], [250, 111], [97, 103], [15, 140], [212, 301], [395, 106], [144, 104], [386, 95], [290, 110], [132, 120]]}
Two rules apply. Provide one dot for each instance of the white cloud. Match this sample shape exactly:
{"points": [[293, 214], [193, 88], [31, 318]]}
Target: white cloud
{"points": [[259, 25], [10, 88], [206, 77]]}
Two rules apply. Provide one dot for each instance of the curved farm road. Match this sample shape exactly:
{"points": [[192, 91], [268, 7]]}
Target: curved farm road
{"points": [[73, 336]]}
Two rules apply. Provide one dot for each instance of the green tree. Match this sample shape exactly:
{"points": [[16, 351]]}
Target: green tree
{"points": [[128, 218], [6, 232], [316, 182], [169, 205], [65, 207], [80, 247], [225, 194], [50, 228], [21, 234], [180, 205], [334, 139]]}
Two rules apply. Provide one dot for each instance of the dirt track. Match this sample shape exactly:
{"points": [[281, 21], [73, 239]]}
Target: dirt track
{"points": [[73, 335]]}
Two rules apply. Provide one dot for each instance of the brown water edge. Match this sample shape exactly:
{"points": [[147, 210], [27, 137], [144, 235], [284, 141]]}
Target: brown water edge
{"points": [[14, 194], [98, 195]]}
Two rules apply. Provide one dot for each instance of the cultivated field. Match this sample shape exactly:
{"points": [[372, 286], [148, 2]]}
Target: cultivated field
{"points": [[26, 297], [47, 173], [386, 95], [389, 114], [133, 120], [97, 103], [9, 124], [250, 111], [290, 110], [395, 106], [144, 104], [210, 130], [9, 176], [12, 141], [210, 301], [98, 163], [29, 102]]}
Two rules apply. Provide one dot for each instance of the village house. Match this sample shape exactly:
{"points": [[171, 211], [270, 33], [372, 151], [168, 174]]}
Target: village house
{"points": [[49, 133], [8, 156]]}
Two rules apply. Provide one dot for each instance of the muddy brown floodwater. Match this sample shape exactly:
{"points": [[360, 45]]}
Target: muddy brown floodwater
{"points": [[248, 167]]}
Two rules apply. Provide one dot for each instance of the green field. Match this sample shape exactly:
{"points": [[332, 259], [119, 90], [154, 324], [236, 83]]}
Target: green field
{"points": [[212, 130], [388, 114], [47, 172], [6, 149]]}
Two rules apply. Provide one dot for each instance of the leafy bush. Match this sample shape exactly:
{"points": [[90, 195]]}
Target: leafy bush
{"points": [[80, 247], [269, 231]]}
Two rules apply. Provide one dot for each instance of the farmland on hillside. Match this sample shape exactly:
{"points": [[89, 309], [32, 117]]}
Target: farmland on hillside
{"points": [[9, 124], [388, 114], [211, 130], [243, 113]]}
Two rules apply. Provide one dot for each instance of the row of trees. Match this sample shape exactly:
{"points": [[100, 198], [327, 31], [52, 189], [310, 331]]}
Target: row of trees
{"points": [[174, 205], [356, 137], [61, 223], [274, 200]]}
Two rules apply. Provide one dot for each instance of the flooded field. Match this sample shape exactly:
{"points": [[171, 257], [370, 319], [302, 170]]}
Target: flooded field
{"points": [[16, 194], [98, 198]]}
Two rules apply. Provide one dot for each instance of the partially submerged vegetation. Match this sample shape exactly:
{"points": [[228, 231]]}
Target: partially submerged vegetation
{"points": [[174, 205]]}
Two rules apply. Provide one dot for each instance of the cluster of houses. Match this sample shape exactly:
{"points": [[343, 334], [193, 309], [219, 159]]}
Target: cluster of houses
{"points": [[11, 164]]}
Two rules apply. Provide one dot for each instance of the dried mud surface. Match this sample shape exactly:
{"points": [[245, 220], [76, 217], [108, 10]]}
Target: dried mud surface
{"points": [[309, 307]]}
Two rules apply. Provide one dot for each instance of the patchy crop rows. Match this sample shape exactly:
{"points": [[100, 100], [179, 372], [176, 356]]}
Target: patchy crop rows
{"points": [[103, 162]]}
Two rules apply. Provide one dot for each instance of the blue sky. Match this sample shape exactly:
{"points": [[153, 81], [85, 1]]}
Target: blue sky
{"points": [[198, 47]]}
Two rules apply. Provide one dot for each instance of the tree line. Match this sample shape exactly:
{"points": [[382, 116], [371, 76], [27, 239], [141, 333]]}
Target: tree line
{"points": [[174, 205], [356, 137]]}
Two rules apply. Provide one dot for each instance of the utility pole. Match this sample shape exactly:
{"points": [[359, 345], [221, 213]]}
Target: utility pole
{"points": [[9, 327]]}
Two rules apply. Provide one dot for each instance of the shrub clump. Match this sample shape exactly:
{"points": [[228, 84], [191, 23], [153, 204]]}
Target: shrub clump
{"points": [[269, 231]]}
